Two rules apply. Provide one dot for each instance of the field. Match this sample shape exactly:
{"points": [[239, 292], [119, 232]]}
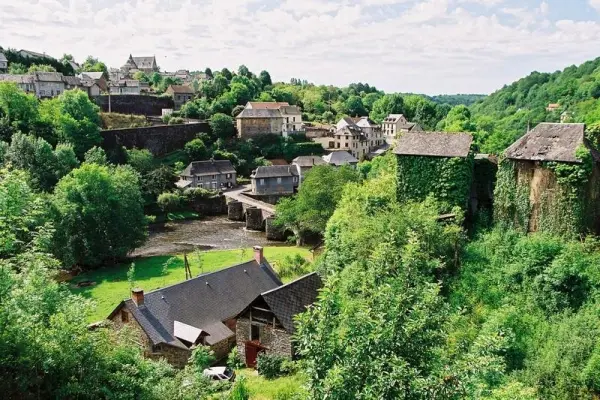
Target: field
{"points": [[265, 389], [112, 286]]}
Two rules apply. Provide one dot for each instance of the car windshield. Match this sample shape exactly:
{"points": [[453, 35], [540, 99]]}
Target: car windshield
{"points": [[227, 373]]}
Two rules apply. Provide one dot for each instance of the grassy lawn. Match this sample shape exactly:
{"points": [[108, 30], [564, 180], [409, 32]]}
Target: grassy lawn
{"points": [[155, 272], [264, 389], [177, 216]]}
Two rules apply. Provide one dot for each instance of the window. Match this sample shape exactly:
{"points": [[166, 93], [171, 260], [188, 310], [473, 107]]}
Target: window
{"points": [[346, 144], [199, 178], [262, 181], [214, 177], [295, 179], [254, 332], [279, 180], [228, 176], [124, 316]]}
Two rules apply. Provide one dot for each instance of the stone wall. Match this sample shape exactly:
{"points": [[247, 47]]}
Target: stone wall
{"points": [[160, 140], [267, 198], [250, 127], [274, 340], [254, 219], [212, 206], [235, 210], [130, 104]]}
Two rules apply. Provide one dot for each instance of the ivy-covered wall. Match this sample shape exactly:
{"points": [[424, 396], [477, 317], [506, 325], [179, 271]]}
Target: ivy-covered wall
{"points": [[447, 179], [555, 197]]}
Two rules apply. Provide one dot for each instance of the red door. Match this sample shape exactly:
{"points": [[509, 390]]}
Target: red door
{"points": [[252, 351]]}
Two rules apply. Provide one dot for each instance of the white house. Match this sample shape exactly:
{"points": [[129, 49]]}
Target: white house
{"points": [[395, 124]]}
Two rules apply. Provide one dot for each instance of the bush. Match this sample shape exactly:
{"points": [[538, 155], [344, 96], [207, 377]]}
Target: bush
{"points": [[176, 121], [202, 357], [170, 201], [192, 195], [270, 365], [196, 150], [293, 266], [234, 361], [240, 391]]}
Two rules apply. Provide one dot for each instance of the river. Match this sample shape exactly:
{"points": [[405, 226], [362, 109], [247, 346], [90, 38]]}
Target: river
{"points": [[206, 234]]}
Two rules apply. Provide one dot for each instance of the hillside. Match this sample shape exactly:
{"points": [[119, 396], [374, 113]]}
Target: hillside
{"points": [[458, 99], [502, 117]]}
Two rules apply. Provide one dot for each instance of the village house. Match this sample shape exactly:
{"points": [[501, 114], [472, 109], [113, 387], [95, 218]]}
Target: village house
{"points": [[147, 65], [97, 77], [275, 180], [91, 88], [372, 131], [34, 54], [3, 62], [126, 86], [25, 82], [531, 156], [200, 311], [267, 324], [396, 124], [269, 117], [181, 94], [211, 174], [339, 158], [349, 137], [48, 84], [306, 163]]}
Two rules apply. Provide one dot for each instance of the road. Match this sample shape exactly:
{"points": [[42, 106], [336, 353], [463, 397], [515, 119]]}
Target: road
{"points": [[238, 195]]}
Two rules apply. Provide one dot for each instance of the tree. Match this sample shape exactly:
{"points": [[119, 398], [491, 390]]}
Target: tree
{"points": [[265, 79], [158, 181], [316, 200], [196, 150], [222, 126], [226, 74], [75, 119], [98, 215], [17, 69], [237, 110], [388, 104], [92, 64], [209, 73], [34, 155], [66, 159], [18, 109], [40, 68], [370, 99], [354, 106], [140, 160], [96, 155], [243, 71]]}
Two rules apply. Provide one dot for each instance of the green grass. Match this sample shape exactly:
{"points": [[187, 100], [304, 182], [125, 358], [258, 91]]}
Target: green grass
{"points": [[265, 389], [177, 216], [153, 273]]}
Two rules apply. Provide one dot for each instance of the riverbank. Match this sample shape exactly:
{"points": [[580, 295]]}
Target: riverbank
{"points": [[108, 286]]}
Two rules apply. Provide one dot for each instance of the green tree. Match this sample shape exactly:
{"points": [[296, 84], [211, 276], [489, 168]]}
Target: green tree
{"points": [[158, 181], [222, 126], [96, 155], [36, 156], [140, 160], [196, 150], [17, 69], [92, 64], [354, 106], [40, 68], [98, 215], [66, 159], [265, 78], [243, 71], [370, 99], [18, 110], [388, 104], [75, 119]]}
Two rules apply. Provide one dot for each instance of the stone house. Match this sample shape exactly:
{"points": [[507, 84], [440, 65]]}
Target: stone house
{"points": [[97, 77], [267, 324], [147, 65], [351, 139], [292, 120], [339, 158], [211, 174], [275, 180], [3, 62], [252, 122], [306, 163], [372, 131], [181, 94], [34, 54], [48, 84], [396, 124], [25, 82], [72, 82], [91, 88], [126, 86], [200, 311], [530, 165]]}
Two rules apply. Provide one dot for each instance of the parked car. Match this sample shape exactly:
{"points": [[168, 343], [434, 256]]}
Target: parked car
{"points": [[219, 374]]}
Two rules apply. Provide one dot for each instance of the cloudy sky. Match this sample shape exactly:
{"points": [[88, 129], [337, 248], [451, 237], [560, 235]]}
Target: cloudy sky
{"points": [[426, 46]]}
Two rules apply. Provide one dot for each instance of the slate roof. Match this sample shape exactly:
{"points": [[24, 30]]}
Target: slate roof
{"points": [[549, 142], [181, 89], [278, 161], [338, 158], [144, 62], [92, 75], [393, 117], [289, 300], [210, 167], [434, 144], [35, 54], [259, 113], [2, 57], [309, 161], [290, 110], [275, 171], [366, 122], [262, 105], [16, 78], [203, 302], [71, 80], [49, 76]]}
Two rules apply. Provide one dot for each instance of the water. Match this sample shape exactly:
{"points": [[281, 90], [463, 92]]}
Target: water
{"points": [[206, 234]]}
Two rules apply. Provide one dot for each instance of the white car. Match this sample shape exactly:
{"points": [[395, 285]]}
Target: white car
{"points": [[219, 374]]}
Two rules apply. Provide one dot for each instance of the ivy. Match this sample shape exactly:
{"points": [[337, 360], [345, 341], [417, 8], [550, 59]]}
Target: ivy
{"points": [[447, 179], [563, 210]]}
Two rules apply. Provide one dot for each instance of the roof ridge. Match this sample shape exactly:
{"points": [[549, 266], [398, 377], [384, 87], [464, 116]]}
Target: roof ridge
{"points": [[289, 283]]}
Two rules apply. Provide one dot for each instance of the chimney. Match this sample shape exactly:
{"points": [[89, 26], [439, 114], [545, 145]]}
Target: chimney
{"points": [[258, 254], [137, 295]]}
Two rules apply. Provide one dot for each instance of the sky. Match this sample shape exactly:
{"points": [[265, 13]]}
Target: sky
{"points": [[420, 46]]}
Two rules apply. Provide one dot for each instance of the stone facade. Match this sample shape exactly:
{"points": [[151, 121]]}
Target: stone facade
{"points": [[249, 127], [274, 340], [160, 140], [274, 185]]}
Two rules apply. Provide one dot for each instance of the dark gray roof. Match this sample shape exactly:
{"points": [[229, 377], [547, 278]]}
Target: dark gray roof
{"points": [[366, 122], [340, 158], [549, 142], [2, 57], [49, 76], [71, 80], [144, 62], [92, 75], [203, 302], [260, 113], [309, 161], [275, 171], [210, 167], [17, 78], [434, 144], [289, 300]]}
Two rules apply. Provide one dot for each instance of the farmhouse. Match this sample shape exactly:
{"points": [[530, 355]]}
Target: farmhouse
{"points": [[550, 181], [173, 320], [181, 94], [267, 324], [211, 174], [275, 180]]}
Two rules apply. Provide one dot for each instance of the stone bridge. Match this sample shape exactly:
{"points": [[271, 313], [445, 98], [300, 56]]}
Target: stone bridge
{"points": [[259, 216]]}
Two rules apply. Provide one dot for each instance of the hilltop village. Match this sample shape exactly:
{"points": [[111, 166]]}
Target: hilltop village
{"points": [[390, 245]]}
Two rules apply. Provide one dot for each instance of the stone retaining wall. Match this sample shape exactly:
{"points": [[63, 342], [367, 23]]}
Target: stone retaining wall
{"points": [[132, 104]]}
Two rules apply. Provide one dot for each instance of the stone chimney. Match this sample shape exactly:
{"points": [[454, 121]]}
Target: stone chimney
{"points": [[137, 295], [258, 254]]}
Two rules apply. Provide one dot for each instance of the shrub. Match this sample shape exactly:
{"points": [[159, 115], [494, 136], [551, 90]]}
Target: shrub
{"points": [[202, 357], [234, 361], [270, 365], [292, 266], [169, 201], [240, 391], [176, 121]]}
